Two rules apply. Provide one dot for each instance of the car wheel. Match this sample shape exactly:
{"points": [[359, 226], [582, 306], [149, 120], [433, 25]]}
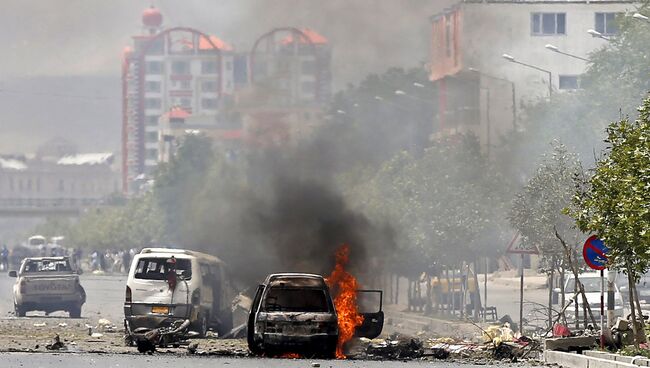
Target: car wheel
{"points": [[75, 311], [20, 312]]}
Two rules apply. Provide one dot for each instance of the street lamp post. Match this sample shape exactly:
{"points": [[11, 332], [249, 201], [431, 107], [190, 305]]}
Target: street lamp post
{"points": [[512, 59], [557, 50], [596, 34]]}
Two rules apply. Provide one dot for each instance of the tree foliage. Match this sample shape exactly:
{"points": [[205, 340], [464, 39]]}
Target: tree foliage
{"points": [[536, 211], [614, 203]]}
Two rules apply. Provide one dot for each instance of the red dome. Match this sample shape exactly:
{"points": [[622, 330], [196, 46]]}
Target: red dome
{"points": [[152, 18]]}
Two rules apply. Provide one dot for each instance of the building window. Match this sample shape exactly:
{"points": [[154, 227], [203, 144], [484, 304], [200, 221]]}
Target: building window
{"points": [[151, 120], [228, 65], [209, 67], [180, 67], [152, 154], [606, 23], [154, 67], [152, 86], [308, 87], [152, 136], [185, 103], [546, 24], [309, 67], [209, 103], [61, 185], [569, 82], [38, 184], [209, 86], [152, 103]]}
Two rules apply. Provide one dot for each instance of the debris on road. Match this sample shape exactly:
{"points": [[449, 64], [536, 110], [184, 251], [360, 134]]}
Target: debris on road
{"points": [[56, 344]]}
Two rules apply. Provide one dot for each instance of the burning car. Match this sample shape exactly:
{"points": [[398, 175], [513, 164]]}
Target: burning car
{"points": [[47, 284], [295, 313]]}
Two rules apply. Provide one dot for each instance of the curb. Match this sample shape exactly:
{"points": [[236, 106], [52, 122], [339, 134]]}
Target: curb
{"points": [[572, 360]]}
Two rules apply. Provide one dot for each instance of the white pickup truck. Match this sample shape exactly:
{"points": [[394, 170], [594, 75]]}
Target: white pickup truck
{"points": [[47, 284]]}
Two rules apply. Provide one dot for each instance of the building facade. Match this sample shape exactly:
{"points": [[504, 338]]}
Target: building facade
{"points": [[71, 181], [479, 89], [168, 68], [266, 95]]}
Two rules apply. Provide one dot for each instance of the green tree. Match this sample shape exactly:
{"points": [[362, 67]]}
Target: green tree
{"points": [[536, 213], [614, 203]]}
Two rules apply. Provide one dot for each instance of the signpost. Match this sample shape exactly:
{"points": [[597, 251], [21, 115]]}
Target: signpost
{"points": [[517, 250], [595, 254]]}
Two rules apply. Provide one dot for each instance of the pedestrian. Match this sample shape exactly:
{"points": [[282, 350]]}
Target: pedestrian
{"points": [[4, 258], [126, 260]]}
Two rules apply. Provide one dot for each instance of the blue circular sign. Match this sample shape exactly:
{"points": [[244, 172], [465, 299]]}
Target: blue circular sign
{"points": [[595, 253]]}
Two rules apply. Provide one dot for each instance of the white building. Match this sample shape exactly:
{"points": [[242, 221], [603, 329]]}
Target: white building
{"points": [[470, 39]]}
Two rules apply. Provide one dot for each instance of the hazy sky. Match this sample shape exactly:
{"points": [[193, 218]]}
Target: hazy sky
{"points": [[55, 49]]}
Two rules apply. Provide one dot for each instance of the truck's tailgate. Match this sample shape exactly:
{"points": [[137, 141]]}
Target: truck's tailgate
{"points": [[50, 285]]}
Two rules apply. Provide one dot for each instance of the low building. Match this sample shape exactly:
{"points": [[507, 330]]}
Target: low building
{"points": [[481, 91], [72, 181]]}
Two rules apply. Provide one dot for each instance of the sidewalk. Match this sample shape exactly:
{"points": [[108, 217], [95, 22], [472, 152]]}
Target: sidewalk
{"points": [[414, 323]]}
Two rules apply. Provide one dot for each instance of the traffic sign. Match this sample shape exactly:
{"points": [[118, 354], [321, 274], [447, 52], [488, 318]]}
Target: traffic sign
{"points": [[516, 248], [595, 253]]}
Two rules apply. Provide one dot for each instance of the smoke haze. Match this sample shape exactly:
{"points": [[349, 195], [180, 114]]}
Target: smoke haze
{"points": [[72, 47]]}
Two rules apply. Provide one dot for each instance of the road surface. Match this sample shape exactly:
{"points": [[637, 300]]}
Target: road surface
{"points": [[162, 361]]}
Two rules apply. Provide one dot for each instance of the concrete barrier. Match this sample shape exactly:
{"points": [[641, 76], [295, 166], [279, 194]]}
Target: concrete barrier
{"points": [[636, 360], [589, 360]]}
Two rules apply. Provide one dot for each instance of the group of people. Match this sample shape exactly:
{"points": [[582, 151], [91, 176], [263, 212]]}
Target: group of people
{"points": [[112, 260], [108, 260]]}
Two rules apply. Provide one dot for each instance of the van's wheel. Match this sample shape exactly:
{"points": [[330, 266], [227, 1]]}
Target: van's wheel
{"points": [[202, 325], [20, 312], [225, 324], [75, 311]]}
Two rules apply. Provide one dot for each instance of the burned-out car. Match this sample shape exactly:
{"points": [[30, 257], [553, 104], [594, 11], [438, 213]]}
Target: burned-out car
{"points": [[48, 284], [294, 312]]}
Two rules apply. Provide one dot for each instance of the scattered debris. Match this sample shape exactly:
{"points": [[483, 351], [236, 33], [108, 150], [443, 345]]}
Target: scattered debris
{"points": [[56, 344], [42, 324], [192, 347], [63, 324], [96, 335]]}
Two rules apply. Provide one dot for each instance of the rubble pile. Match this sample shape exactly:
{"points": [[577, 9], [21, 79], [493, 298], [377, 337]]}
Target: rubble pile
{"points": [[495, 343]]}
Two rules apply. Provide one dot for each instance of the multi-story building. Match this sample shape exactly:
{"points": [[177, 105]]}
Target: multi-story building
{"points": [[480, 89], [167, 68], [290, 81], [273, 93]]}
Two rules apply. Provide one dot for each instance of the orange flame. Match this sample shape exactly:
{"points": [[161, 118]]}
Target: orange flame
{"points": [[290, 356], [344, 287]]}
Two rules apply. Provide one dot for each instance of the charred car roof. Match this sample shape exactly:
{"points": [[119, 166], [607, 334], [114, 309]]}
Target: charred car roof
{"points": [[295, 280]]}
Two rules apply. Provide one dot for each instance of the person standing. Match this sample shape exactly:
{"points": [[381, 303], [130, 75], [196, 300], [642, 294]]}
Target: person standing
{"points": [[4, 258]]}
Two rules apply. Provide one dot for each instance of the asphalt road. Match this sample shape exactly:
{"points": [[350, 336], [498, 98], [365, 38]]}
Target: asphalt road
{"points": [[160, 361]]}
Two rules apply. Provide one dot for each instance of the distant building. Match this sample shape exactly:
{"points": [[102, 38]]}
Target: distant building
{"points": [[290, 82], [167, 68], [270, 95], [177, 123], [74, 180], [479, 90]]}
